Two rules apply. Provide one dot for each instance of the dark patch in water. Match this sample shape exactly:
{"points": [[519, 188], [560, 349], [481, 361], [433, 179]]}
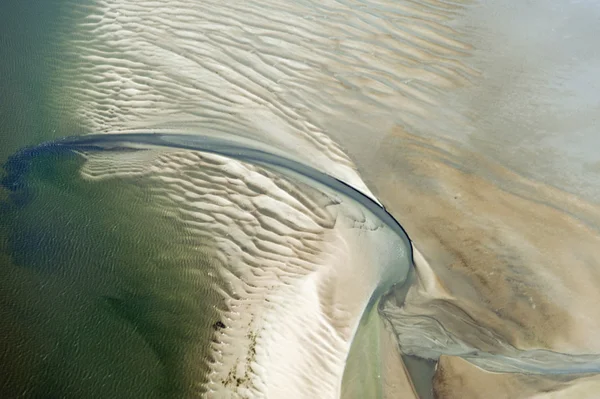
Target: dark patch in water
{"points": [[19, 166]]}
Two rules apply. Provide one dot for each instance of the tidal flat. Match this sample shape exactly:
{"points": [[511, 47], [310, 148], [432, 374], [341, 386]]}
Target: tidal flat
{"points": [[444, 243]]}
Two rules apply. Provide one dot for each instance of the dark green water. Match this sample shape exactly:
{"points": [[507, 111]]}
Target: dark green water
{"points": [[28, 51], [87, 280], [83, 265]]}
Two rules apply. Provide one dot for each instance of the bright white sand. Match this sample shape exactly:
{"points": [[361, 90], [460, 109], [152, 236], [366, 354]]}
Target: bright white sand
{"points": [[296, 267]]}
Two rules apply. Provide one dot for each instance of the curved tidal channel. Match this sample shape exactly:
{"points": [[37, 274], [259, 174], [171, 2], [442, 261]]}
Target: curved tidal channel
{"points": [[165, 265]]}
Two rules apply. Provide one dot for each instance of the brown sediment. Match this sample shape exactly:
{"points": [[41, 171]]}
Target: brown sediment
{"points": [[517, 256], [456, 378]]}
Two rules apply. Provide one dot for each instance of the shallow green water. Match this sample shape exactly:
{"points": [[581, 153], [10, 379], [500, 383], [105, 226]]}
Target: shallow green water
{"points": [[93, 268]]}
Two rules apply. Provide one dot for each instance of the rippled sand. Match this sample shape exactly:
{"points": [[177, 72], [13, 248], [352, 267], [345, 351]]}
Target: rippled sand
{"points": [[222, 278], [475, 124]]}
